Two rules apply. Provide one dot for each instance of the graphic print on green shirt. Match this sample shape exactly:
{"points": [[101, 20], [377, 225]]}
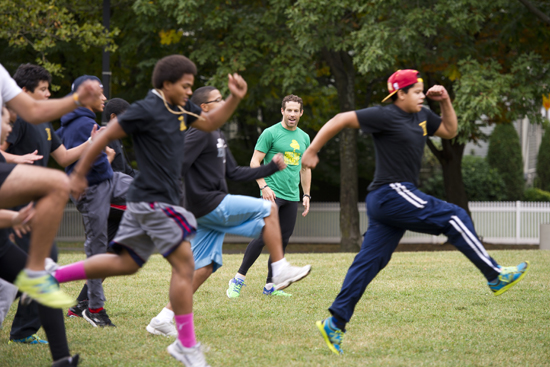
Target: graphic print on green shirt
{"points": [[292, 144]]}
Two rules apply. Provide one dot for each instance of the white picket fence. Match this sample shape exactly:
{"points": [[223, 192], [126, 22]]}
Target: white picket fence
{"points": [[496, 222]]}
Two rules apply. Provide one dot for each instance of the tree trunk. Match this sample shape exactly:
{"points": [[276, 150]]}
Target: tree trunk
{"points": [[450, 158], [342, 69]]}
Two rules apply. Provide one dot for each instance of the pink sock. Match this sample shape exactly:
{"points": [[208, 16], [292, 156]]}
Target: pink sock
{"points": [[186, 330], [70, 272]]}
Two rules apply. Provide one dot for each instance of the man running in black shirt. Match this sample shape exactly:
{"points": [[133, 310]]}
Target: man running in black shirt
{"points": [[394, 204], [207, 163]]}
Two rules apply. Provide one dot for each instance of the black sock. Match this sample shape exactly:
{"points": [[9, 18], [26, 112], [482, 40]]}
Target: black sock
{"points": [[83, 294], [339, 322]]}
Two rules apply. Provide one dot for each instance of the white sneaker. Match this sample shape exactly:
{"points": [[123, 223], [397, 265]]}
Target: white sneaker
{"points": [[158, 327], [190, 357], [290, 274]]}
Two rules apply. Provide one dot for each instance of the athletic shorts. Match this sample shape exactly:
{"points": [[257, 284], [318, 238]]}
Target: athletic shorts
{"points": [[5, 170], [149, 226], [236, 214]]}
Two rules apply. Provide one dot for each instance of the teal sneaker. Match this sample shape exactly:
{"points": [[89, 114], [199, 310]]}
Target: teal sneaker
{"points": [[508, 277], [234, 289], [275, 292], [332, 335], [33, 339]]}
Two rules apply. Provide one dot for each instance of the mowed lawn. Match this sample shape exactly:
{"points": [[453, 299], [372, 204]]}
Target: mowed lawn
{"points": [[424, 309]]}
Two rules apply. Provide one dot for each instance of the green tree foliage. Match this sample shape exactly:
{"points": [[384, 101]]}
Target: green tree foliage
{"points": [[542, 180], [505, 155], [40, 26]]}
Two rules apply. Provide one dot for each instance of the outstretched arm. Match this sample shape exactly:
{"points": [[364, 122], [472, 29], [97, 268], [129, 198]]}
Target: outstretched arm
{"points": [[449, 124], [37, 112], [78, 182], [328, 131], [211, 121], [238, 173]]}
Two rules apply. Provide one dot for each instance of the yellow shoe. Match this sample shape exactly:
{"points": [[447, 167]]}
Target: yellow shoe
{"points": [[44, 290]]}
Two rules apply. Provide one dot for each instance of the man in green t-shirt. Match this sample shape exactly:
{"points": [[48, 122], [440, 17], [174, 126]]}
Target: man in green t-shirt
{"points": [[282, 187]]}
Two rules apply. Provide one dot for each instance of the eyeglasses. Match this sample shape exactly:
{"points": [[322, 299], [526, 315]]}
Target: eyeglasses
{"points": [[217, 100]]}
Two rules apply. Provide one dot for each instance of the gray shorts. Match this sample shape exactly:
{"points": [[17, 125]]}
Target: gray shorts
{"points": [[149, 226]]}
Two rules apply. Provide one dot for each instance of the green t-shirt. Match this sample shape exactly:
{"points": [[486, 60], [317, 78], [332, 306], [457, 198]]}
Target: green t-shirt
{"points": [[277, 139]]}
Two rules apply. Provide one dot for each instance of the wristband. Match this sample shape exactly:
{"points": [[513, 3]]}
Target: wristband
{"points": [[309, 196], [75, 100], [90, 140], [261, 188]]}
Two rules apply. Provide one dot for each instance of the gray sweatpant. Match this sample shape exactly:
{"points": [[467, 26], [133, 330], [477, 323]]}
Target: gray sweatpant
{"points": [[94, 207], [7, 294]]}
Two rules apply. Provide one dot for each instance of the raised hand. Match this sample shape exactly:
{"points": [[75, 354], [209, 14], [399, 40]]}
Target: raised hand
{"points": [[437, 93], [310, 159], [89, 91], [279, 161], [237, 85]]}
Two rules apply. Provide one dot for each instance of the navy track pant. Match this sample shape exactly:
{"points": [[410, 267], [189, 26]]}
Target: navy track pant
{"points": [[392, 209]]}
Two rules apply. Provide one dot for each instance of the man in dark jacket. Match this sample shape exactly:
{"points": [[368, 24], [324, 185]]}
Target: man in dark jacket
{"points": [[207, 163], [104, 188]]}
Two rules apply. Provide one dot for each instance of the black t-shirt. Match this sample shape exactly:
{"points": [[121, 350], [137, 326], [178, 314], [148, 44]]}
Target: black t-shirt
{"points": [[206, 164], [26, 138], [158, 137], [399, 140]]}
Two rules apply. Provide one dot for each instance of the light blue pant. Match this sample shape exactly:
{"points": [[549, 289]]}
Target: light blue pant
{"points": [[236, 214]]}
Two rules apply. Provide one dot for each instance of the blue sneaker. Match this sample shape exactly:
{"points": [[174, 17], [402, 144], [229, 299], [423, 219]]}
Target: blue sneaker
{"points": [[234, 289], [332, 335], [508, 277], [275, 292], [33, 339]]}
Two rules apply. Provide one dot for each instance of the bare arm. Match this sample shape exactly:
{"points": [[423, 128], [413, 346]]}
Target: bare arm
{"points": [[449, 124], [65, 156], [305, 177], [327, 132], [37, 112], [256, 161], [215, 119], [78, 181]]}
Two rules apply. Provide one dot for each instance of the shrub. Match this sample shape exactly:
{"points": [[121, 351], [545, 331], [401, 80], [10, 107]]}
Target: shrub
{"points": [[534, 194], [543, 163], [505, 155], [482, 183]]}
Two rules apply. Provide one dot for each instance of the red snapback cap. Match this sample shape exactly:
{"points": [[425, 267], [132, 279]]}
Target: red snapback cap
{"points": [[401, 79]]}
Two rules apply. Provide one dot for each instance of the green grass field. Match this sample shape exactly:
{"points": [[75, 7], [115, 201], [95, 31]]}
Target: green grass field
{"points": [[424, 309]]}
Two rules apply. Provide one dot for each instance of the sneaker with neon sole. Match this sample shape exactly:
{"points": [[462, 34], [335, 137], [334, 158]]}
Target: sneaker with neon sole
{"points": [[332, 335], [290, 274], [190, 357], [164, 328], [508, 277], [234, 289], [274, 292], [33, 339], [44, 290]]}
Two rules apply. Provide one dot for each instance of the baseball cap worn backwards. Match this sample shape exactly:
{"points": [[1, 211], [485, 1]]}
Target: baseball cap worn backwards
{"points": [[82, 79], [401, 79]]}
